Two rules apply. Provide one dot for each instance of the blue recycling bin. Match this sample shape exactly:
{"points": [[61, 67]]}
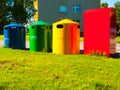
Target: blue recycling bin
{"points": [[14, 36]]}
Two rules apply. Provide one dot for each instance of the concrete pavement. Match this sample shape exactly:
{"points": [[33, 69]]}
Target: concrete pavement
{"points": [[2, 43]]}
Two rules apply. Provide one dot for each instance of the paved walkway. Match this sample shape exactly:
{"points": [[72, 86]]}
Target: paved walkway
{"points": [[2, 43], [81, 45]]}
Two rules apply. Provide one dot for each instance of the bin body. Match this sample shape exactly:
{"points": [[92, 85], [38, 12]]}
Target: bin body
{"points": [[65, 37], [14, 36], [40, 37], [100, 31]]}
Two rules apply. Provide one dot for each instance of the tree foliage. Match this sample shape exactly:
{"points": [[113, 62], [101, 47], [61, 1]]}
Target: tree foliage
{"points": [[19, 11], [104, 5], [117, 6], [3, 12]]}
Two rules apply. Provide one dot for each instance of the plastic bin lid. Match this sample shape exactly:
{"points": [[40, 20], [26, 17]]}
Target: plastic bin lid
{"points": [[97, 10], [14, 24], [40, 23], [65, 21]]}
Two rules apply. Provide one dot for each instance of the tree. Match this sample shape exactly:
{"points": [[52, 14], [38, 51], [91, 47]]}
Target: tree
{"points": [[104, 5], [23, 11], [20, 11], [3, 13], [117, 7], [30, 8]]}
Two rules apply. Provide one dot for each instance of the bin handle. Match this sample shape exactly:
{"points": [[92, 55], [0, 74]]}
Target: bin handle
{"points": [[33, 27], [78, 26], [59, 26], [6, 28]]}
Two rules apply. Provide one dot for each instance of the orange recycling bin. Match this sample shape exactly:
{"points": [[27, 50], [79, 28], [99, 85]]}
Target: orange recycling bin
{"points": [[65, 37]]}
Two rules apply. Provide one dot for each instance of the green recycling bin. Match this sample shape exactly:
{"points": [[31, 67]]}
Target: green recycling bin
{"points": [[40, 33]]}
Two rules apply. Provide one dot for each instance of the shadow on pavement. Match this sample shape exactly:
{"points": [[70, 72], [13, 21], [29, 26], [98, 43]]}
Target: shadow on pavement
{"points": [[27, 49], [81, 51], [117, 55]]}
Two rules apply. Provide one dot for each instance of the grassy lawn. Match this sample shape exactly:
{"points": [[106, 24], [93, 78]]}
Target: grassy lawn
{"points": [[25, 70], [118, 39], [1, 37], [81, 38]]}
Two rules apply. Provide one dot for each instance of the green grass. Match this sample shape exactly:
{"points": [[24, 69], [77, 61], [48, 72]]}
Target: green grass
{"points": [[27, 37], [82, 39], [25, 70], [1, 37], [118, 39]]}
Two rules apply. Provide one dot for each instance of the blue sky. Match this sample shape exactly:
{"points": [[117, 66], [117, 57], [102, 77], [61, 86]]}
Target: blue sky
{"points": [[110, 2]]}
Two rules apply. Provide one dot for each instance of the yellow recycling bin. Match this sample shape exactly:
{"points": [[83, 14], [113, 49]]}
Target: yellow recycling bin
{"points": [[66, 37]]}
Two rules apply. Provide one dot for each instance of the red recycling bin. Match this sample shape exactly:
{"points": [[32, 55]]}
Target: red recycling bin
{"points": [[100, 31]]}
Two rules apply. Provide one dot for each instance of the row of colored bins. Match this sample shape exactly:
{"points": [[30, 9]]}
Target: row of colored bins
{"points": [[63, 38], [14, 36]]}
